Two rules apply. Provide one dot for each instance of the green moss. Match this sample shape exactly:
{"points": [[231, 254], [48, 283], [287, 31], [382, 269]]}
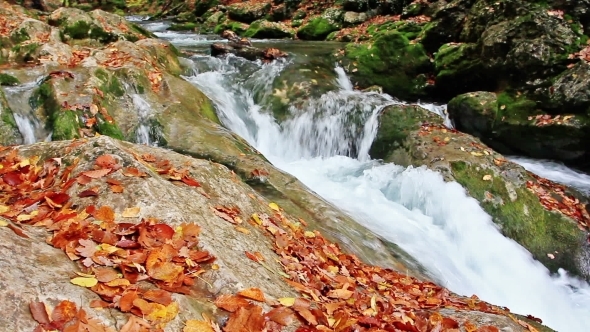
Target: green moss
{"points": [[83, 30], [109, 129], [265, 29], [391, 62], [188, 26], [19, 36], [234, 26], [141, 30], [316, 29], [514, 109], [25, 53], [524, 219], [64, 125], [6, 79], [110, 84], [208, 111]]}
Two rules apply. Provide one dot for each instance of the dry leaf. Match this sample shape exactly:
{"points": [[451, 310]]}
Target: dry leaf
{"points": [[253, 293]]}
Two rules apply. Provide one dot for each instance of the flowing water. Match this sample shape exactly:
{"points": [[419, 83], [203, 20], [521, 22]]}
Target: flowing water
{"points": [[325, 144], [29, 125], [556, 171]]}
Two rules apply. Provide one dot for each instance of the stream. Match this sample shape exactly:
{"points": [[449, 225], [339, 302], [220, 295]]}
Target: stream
{"points": [[325, 143]]}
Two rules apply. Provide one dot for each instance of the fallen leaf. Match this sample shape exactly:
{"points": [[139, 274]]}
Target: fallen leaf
{"points": [[131, 212], [133, 172], [287, 301], [84, 282], [253, 293], [192, 325], [97, 174], [231, 303], [245, 319], [487, 177], [274, 206], [39, 312]]}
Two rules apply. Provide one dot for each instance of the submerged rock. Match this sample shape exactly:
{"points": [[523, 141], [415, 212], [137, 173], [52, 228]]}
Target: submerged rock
{"points": [[542, 216]]}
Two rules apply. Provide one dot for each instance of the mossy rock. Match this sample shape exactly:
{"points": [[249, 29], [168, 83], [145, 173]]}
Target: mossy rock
{"points": [[317, 29], [508, 123], [202, 6], [390, 61], [522, 218], [396, 122], [84, 30], [266, 29], [459, 70], [9, 133], [187, 26], [248, 12], [9, 80], [65, 125], [237, 27]]}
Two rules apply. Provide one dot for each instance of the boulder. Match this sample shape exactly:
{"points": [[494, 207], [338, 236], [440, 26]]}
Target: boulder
{"points": [[266, 29], [354, 18], [248, 12], [411, 135], [460, 69], [515, 124], [9, 134], [245, 51], [156, 201], [392, 62]]}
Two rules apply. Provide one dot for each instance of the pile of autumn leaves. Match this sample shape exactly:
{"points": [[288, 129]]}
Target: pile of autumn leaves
{"points": [[136, 267]]}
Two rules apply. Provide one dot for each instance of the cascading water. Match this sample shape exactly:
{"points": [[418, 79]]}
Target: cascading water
{"points": [[31, 129], [555, 171], [434, 221]]}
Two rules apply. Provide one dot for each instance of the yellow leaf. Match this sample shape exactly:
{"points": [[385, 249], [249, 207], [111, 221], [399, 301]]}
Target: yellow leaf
{"points": [[214, 267], [3, 223], [84, 282], [130, 212], [477, 154], [108, 248], [309, 234], [487, 177], [24, 217], [118, 283], [164, 314], [24, 162], [256, 218], [274, 206], [242, 230], [287, 301], [197, 326], [3, 208]]}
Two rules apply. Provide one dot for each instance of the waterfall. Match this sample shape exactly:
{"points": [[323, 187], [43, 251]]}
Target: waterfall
{"points": [[325, 144], [145, 133], [27, 121]]}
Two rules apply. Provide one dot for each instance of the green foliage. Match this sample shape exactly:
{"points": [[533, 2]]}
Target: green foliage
{"points": [[109, 129], [20, 36], [64, 125]]}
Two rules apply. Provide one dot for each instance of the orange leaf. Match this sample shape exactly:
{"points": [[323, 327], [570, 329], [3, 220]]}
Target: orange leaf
{"points": [[133, 172], [340, 294], [117, 189], [136, 324], [253, 293], [245, 319], [281, 315], [105, 213], [39, 312], [197, 326], [106, 161], [488, 328], [190, 181], [64, 312], [97, 174], [231, 303], [159, 296]]}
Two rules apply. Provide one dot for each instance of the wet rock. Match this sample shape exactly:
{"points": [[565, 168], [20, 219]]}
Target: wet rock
{"points": [[392, 62], [410, 135], [9, 133], [353, 18], [459, 69], [266, 29], [248, 12], [319, 28], [245, 51], [515, 125]]}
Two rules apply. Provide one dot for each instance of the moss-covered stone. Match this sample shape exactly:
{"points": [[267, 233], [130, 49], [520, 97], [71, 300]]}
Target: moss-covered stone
{"points": [[234, 26], [19, 36], [459, 70], [84, 30], [396, 122], [523, 219], [187, 26], [109, 129], [110, 85], [248, 12], [64, 125], [9, 133], [317, 29], [266, 29], [7, 79], [391, 62]]}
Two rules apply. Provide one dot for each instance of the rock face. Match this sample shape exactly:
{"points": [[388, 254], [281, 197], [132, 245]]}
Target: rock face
{"points": [[553, 222]]}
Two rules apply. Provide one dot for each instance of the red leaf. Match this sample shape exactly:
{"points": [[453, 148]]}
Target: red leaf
{"points": [[190, 181], [87, 193], [12, 179]]}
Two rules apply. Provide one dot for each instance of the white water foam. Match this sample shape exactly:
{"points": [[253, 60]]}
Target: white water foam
{"points": [[29, 126], [434, 221], [143, 109]]}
